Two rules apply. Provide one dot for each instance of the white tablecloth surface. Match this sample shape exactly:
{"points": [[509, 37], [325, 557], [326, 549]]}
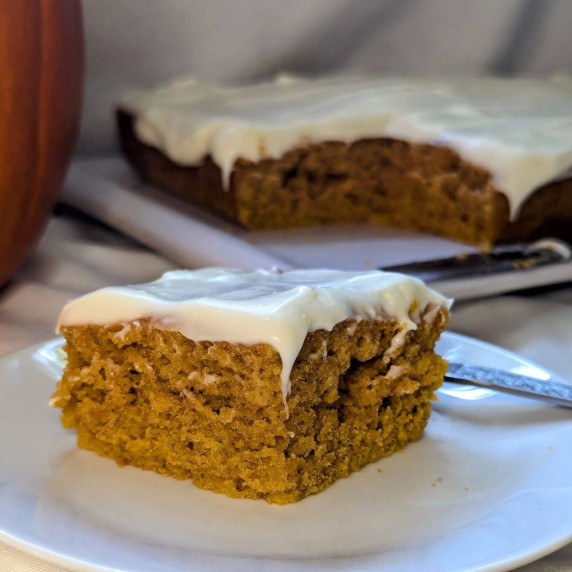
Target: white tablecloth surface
{"points": [[76, 256]]}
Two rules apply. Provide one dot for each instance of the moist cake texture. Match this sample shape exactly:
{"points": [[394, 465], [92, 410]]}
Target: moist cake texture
{"points": [[481, 160], [258, 385]]}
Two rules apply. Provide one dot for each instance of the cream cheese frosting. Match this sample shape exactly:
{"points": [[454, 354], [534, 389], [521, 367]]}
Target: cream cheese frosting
{"points": [[520, 130], [264, 306]]}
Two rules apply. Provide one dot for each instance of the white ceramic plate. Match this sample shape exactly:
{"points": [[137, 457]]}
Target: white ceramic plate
{"points": [[488, 487]]}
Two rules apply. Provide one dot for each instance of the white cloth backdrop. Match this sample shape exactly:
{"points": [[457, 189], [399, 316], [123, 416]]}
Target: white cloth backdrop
{"points": [[134, 43]]}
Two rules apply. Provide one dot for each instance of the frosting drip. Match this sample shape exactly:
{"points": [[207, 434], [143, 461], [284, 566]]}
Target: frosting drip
{"points": [[264, 306], [520, 130]]}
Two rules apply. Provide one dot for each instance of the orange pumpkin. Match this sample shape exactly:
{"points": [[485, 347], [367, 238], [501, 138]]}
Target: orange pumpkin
{"points": [[41, 79]]}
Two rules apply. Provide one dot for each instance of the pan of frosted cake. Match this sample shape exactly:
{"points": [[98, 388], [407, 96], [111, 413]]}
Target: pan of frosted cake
{"points": [[481, 160]]}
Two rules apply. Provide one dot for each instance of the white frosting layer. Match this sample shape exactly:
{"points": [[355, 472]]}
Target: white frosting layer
{"points": [[265, 306], [520, 130]]}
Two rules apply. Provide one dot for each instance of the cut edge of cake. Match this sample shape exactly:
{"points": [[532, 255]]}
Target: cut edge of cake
{"points": [[311, 186]]}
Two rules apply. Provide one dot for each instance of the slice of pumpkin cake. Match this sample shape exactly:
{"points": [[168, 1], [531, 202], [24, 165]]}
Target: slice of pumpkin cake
{"points": [[262, 384]]}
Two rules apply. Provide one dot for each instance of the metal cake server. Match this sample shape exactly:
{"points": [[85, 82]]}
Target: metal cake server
{"points": [[508, 258], [522, 385]]}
